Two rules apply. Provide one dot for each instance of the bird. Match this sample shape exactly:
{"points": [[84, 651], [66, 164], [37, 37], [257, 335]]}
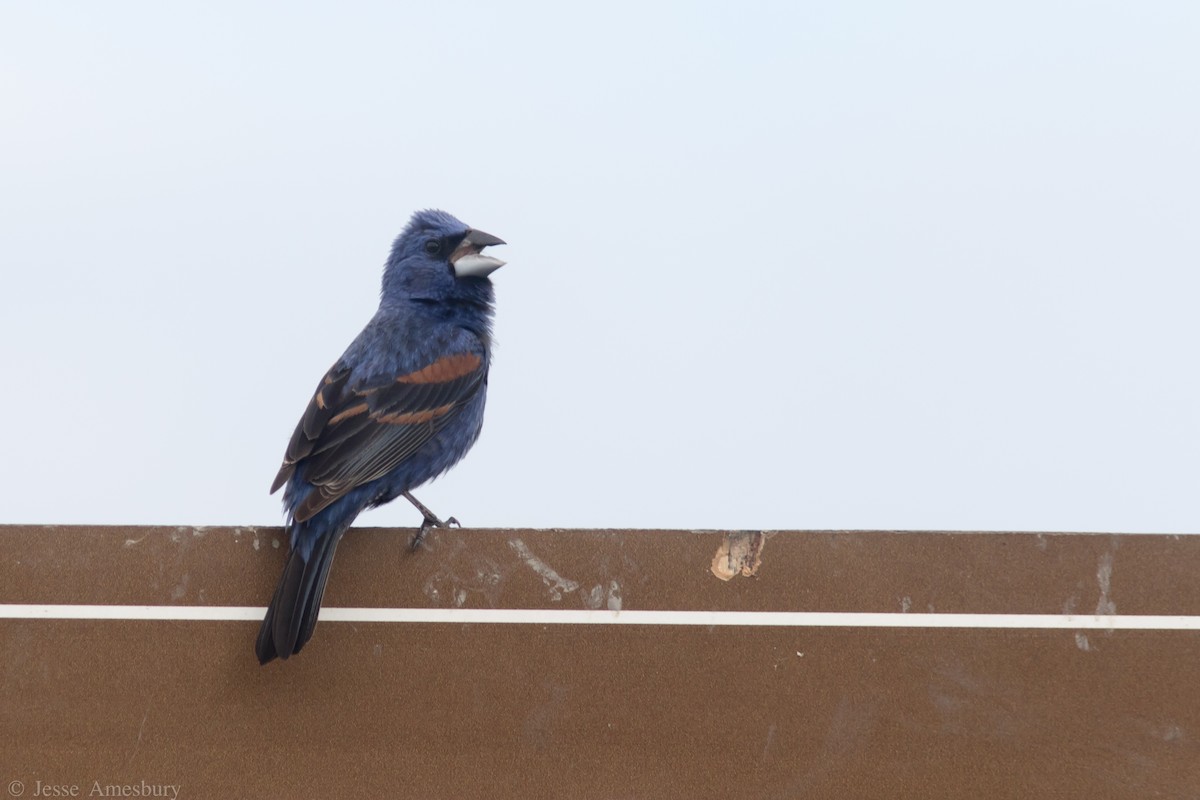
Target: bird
{"points": [[401, 406]]}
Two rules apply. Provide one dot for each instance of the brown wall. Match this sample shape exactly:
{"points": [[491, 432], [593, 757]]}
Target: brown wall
{"points": [[472, 710]]}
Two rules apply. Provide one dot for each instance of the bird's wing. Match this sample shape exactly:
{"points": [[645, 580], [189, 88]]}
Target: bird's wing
{"points": [[353, 434]]}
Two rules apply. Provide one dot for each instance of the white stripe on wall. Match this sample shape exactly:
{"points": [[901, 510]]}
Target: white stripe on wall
{"points": [[521, 616]]}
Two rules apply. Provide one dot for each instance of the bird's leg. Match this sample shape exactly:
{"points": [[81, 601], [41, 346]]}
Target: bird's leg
{"points": [[431, 520]]}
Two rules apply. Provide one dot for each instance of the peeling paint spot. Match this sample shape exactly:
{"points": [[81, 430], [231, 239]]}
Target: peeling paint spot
{"points": [[555, 582], [377, 650], [770, 740], [462, 576], [614, 596], [1105, 606], [740, 553], [132, 542], [599, 597], [138, 743], [180, 588], [593, 598], [1081, 641], [488, 577], [905, 604], [549, 717], [275, 544], [256, 543]]}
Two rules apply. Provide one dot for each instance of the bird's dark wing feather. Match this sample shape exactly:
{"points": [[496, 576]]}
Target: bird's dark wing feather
{"points": [[352, 435]]}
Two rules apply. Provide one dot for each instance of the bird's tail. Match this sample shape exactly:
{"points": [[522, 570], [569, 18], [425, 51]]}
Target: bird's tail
{"points": [[292, 614]]}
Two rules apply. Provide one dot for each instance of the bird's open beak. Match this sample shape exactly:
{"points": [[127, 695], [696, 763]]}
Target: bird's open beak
{"points": [[467, 260]]}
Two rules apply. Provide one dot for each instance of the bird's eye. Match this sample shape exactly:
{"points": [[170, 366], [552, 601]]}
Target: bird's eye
{"points": [[433, 247]]}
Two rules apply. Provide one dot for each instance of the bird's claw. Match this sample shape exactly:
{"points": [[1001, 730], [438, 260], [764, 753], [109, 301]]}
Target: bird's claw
{"points": [[428, 524], [430, 521]]}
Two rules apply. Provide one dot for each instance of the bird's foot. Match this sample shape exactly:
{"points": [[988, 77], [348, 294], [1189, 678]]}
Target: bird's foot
{"points": [[430, 521], [427, 524]]}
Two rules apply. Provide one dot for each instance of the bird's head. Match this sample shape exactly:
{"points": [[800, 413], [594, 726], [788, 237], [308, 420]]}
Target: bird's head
{"points": [[436, 257]]}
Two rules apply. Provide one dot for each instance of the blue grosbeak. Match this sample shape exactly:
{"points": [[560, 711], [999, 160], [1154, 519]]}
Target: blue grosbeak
{"points": [[401, 406]]}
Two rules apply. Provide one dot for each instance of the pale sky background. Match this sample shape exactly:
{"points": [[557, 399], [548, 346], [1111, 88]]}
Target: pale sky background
{"points": [[771, 265]]}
